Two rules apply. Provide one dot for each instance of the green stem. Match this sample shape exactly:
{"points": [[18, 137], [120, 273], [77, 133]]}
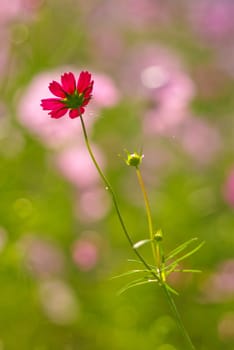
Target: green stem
{"points": [[178, 318], [156, 252], [158, 255], [110, 189]]}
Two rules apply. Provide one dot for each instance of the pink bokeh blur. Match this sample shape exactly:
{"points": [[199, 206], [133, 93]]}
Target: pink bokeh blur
{"points": [[228, 188], [220, 285]]}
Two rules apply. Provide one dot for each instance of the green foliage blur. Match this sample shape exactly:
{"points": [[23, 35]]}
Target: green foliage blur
{"points": [[51, 300]]}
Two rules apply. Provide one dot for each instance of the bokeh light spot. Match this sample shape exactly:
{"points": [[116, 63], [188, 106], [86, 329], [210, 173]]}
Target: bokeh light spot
{"points": [[154, 77]]}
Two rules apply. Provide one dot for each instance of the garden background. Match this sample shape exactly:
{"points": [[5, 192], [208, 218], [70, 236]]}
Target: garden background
{"points": [[163, 84]]}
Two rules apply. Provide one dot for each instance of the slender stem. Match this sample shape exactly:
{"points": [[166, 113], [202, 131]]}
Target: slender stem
{"points": [[156, 252], [178, 318], [109, 187]]}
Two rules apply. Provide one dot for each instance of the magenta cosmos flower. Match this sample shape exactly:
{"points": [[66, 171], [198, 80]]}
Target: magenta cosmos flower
{"points": [[73, 97]]}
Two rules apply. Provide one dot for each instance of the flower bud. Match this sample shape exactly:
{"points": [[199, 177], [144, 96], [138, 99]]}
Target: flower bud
{"points": [[134, 159], [158, 236]]}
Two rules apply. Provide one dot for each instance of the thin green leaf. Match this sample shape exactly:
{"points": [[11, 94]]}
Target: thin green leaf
{"points": [[141, 243], [188, 270], [129, 273], [135, 283], [170, 289], [134, 260], [179, 249], [140, 262], [172, 268], [186, 255]]}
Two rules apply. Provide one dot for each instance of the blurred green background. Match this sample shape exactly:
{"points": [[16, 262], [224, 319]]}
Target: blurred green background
{"points": [[164, 78]]}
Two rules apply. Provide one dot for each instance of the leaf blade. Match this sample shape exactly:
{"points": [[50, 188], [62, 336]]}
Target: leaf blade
{"points": [[127, 273], [141, 243], [180, 248], [186, 255], [135, 284]]}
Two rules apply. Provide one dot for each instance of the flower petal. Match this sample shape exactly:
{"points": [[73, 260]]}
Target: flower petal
{"points": [[68, 82], [84, 81], [57, 89], [88, 91], [74, 113], [58, 113], [86, 101], [51, 103]]}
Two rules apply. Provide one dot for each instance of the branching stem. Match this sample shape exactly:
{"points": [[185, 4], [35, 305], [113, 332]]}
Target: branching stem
{"points": [[110, 189], [156, 252]]}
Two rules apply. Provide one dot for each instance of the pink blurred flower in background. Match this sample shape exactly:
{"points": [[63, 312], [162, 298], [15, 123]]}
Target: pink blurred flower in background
{"points": [[76, 166], [59, 301], [106, 45], [200, 140], [110, 24], [150, 68], [41, 256], [220, 285], [163, 121], [228, 188], [18, 9], [138, 14], [105, 92], [86, 252], [172, 106], [213, 19], [10, 10], [159, 76], [92, 204], [130, 14]]}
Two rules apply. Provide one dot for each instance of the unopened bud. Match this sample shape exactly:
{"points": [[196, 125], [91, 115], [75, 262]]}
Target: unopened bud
{"points": [[158, 236], [134, 159]]}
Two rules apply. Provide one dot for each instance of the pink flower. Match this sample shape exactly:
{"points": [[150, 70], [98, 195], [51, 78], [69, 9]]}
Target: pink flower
{"points": [[76, 166], [106, 93], [200, 140], [220, 285], [73, 97], [213, 19], [59, 301], [85, 254], [228, 190], [43, 258], [18, 9], [92, 204], [157, 74]]}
